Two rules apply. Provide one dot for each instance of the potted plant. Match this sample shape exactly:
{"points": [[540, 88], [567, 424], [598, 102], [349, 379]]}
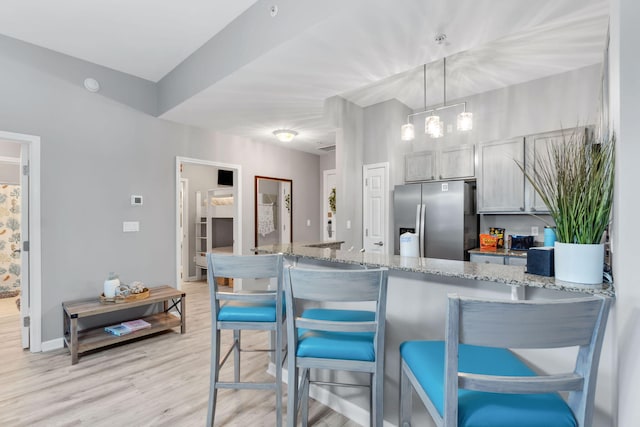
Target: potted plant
{"points": [[574, 179]]}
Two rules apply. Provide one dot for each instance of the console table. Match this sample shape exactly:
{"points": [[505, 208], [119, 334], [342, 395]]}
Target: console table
{"points": [[80, 341]]}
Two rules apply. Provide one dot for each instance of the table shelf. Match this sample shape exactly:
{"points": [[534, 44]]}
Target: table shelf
{"points": [[80, 341]]}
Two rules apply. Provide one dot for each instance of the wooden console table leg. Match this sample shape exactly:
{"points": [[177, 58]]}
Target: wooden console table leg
{"points": [[183, 314], [73, 339]]}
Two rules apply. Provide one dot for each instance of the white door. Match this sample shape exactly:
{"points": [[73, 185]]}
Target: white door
{"points": [[24, 237], [375, 210], [184, 228]]}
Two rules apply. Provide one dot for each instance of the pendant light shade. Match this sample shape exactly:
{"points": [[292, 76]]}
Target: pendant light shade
{"points": [[436, 128], [408, 132], [465, 121], [431, 125]]}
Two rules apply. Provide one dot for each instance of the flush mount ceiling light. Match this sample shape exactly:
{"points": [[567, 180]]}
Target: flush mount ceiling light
{"points": [[91, 84], [285, 135], [433, 126]]}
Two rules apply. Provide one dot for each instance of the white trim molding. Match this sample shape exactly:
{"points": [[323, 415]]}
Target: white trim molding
{"points": [[35, 239]]}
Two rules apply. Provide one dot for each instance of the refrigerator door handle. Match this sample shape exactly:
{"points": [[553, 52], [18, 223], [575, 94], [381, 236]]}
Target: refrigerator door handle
{"points": [[423, 212]]}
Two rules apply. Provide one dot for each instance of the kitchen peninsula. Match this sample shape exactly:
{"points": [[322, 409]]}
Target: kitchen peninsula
{"points": [[511, 275], [416, 309]]}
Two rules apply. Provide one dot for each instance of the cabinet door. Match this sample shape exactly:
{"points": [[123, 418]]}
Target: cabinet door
{"points": [[457, 162], [487, 259], [500, 180], [419, 166], [538, 152], [515, 260]]}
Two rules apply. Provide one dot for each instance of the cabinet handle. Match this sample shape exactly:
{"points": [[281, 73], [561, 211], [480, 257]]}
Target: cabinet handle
{"points": [[533, 209], [440, 177], [432, 177], [521, 209]]}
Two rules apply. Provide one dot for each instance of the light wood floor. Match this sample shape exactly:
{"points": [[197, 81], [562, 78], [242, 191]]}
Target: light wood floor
{"points": [[158, 381]]}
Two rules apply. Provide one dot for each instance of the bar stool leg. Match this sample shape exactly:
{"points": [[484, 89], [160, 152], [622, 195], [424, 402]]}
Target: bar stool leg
{"points": [[236, 355], [213, 381]]}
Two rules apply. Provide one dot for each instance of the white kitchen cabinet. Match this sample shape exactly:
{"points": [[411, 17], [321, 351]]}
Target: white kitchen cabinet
{"points": [[487, 259], [498, 259], [447, 163], [538, 147], [516, 260], [502, 187], [457, 162], [420, 166], [500, 180]]}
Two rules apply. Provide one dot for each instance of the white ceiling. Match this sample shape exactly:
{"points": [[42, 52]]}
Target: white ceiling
{"points": [[145, 38], [367, 54]]}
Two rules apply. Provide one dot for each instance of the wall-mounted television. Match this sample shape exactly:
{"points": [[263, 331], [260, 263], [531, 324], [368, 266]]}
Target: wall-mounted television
{"points": [[225, 177]]}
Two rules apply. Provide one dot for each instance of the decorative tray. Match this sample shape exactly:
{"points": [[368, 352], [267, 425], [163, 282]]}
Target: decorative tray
{"points": [[119, 298]]}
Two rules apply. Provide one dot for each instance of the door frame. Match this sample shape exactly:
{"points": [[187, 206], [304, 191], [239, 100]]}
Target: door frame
{"points": [[237, 214], [387, 227], [34, 300], [184, 238]]}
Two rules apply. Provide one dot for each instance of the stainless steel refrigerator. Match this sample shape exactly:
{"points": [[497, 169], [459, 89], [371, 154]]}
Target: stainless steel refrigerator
{"points": [[442, 214]]}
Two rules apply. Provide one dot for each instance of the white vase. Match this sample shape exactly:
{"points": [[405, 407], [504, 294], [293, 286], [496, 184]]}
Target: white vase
{"points": [[578, 263], [110, 286]]}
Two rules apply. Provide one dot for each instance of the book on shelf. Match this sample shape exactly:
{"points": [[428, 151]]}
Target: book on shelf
{"points": [[117, 330], [136, 325]]}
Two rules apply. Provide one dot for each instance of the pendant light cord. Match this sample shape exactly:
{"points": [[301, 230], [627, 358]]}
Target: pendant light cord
{"points": [[424, 75], [444, 72]]}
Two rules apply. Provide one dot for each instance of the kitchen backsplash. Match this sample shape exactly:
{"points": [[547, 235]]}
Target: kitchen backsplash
{"points": [[517, 224]]}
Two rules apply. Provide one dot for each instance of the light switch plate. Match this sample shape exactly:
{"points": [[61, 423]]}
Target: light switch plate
{"points": [[130, 226], [534, 231]]}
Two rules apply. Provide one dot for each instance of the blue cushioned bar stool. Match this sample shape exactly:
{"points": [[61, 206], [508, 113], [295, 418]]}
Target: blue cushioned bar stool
{"points": [[238, 311], [331, 336], [474, 379]]}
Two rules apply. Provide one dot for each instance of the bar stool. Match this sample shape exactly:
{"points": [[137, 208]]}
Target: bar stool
{"points": [[244, 311], [334, 338], [473, 379]]}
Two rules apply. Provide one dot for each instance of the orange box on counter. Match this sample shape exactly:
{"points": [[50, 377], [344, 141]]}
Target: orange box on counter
{"points": [[488, 242]]}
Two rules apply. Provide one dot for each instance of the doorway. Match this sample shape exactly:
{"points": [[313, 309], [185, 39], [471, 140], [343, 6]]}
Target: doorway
{"points": [[199, 189], [20, 232], [328, 215], [273, 211]]}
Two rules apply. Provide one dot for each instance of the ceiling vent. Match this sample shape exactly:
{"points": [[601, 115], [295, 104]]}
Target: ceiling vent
{"points": [[327, 148]]}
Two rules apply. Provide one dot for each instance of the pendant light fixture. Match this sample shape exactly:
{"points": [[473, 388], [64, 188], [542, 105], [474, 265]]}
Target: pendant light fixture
{"points": [[433, 126]]}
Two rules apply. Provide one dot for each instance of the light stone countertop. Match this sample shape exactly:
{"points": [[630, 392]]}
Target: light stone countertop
{"points": [[513, 275]]}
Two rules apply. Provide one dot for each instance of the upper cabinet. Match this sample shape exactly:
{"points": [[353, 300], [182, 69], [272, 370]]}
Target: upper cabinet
{"points": [[502, 187], [420, 166], [446, 163], [537, 147], [457, 162], [500, 180]]}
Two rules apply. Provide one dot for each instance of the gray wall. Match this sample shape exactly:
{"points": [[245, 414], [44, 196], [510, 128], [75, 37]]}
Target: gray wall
{"points": [[348, 120], [95, 153]]}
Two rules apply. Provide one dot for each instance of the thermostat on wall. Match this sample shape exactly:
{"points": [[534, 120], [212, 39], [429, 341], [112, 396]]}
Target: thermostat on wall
{"points": [[136, 200]]}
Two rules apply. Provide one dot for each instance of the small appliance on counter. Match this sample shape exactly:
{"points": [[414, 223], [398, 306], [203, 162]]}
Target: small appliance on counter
{"points": [[540, 261], [520, 243]]}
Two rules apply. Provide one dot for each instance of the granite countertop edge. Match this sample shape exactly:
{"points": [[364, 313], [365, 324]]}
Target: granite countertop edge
{"points": [[511, 275]]}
